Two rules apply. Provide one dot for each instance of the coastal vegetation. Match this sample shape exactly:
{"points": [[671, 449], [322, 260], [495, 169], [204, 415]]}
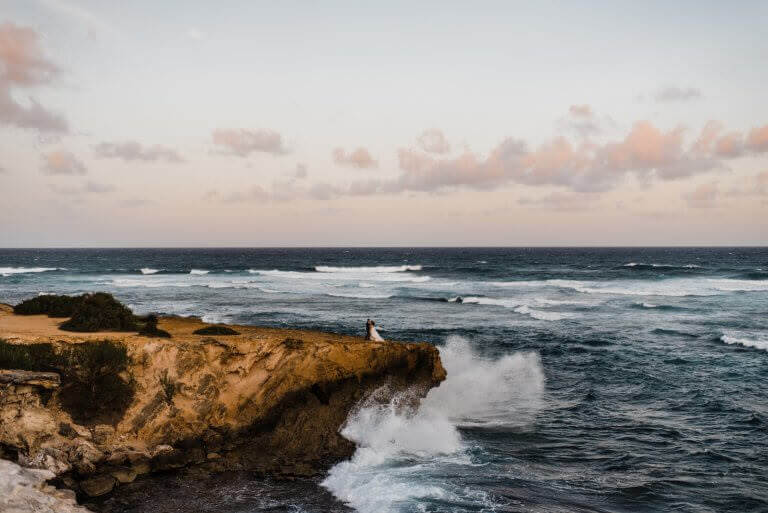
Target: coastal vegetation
{"points": [[94, 312], [101, 312], [95, 385], [51, 305], [216, 330]]}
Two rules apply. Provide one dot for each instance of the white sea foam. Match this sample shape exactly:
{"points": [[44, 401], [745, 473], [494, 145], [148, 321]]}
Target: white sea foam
{"points": [[757, 341], [375, 269], [542, 315], [132, 282], [559, 302], [728, 285], [358, 296], [518, 307], [687, 266], [505, 302], [149, 270], [648, 305], [678, 287], [8, 271], [396, 445], [367, 276], [198, 271], [214, 318]]}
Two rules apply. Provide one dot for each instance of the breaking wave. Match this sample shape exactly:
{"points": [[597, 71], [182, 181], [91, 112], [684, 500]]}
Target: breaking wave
{"points": [[640, 265], [518, 307], [8, 271], [149, 270], [755, 341], [374, 269], [397, 444], [198, 271]]}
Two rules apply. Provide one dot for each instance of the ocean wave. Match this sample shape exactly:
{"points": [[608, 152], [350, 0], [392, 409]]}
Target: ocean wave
{"points": [[542, 315], [8, 271], [731, 285], [373, 269], [507, 303], [518, 307], [375, 276], [199, 271], [149, 270], [755, 341], [137, 282], [640, 265], [396, 444], [358, 296], [675, 287], [560, 302]]}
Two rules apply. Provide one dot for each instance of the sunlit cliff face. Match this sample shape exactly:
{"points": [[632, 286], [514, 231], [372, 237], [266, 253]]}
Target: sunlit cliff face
{"points": [[183, 124]]}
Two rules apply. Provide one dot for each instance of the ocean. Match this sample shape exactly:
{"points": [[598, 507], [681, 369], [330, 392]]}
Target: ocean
{"points": [[579, 379]]}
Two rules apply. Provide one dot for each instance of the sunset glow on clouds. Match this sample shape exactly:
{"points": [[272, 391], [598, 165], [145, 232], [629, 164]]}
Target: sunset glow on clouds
{"points": [[253, 126]]}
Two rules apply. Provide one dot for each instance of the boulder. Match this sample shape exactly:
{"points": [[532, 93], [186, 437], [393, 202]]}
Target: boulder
{"points": [[96, 486]]}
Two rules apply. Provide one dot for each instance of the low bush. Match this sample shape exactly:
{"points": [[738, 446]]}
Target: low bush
{"points": [[50, 305], [216, 330], [101, 312]]}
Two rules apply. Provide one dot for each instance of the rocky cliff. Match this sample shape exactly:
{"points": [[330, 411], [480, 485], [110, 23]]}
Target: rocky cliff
{"points": [[270, 400]]}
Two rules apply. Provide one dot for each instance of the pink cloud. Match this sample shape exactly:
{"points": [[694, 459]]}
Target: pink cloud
{"points": [[757, 140], [645, 152], [359, 158], [62, 162], [23, 65], [244, 142]]}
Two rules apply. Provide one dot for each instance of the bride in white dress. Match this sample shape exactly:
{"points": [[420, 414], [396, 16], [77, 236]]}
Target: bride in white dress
{"points": [[370, 331]]}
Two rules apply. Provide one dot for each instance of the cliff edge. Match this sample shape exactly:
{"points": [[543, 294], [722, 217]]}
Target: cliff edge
{"points": [[264, 399]]}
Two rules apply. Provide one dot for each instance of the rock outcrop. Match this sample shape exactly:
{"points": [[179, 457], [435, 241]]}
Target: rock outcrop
{"points": [[269, 400], [25, 490]]}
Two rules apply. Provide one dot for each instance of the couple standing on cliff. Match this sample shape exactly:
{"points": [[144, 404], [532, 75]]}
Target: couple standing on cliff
{"points": [[370, 331]]}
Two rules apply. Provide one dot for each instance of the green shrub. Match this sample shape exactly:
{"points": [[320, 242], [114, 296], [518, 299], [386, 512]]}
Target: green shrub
{"points": [[101, 312], [30, 357], [50, 305], [216, 330], [92, 389]]}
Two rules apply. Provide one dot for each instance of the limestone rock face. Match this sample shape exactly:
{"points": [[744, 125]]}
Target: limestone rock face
{"points": [[24, 491], [270, 400]]}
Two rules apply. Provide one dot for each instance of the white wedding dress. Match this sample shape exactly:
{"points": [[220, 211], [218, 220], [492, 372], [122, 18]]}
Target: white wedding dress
{"points": [[374, 335]]}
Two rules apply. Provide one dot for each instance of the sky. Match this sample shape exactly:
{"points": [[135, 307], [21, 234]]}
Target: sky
{"points": [[244, 123]]}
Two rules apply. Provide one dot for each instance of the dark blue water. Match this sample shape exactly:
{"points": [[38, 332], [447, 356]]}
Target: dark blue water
{"points": [[579, 379]]}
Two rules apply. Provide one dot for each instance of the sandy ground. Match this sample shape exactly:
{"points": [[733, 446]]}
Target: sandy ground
{"points": [[41, 328]]}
